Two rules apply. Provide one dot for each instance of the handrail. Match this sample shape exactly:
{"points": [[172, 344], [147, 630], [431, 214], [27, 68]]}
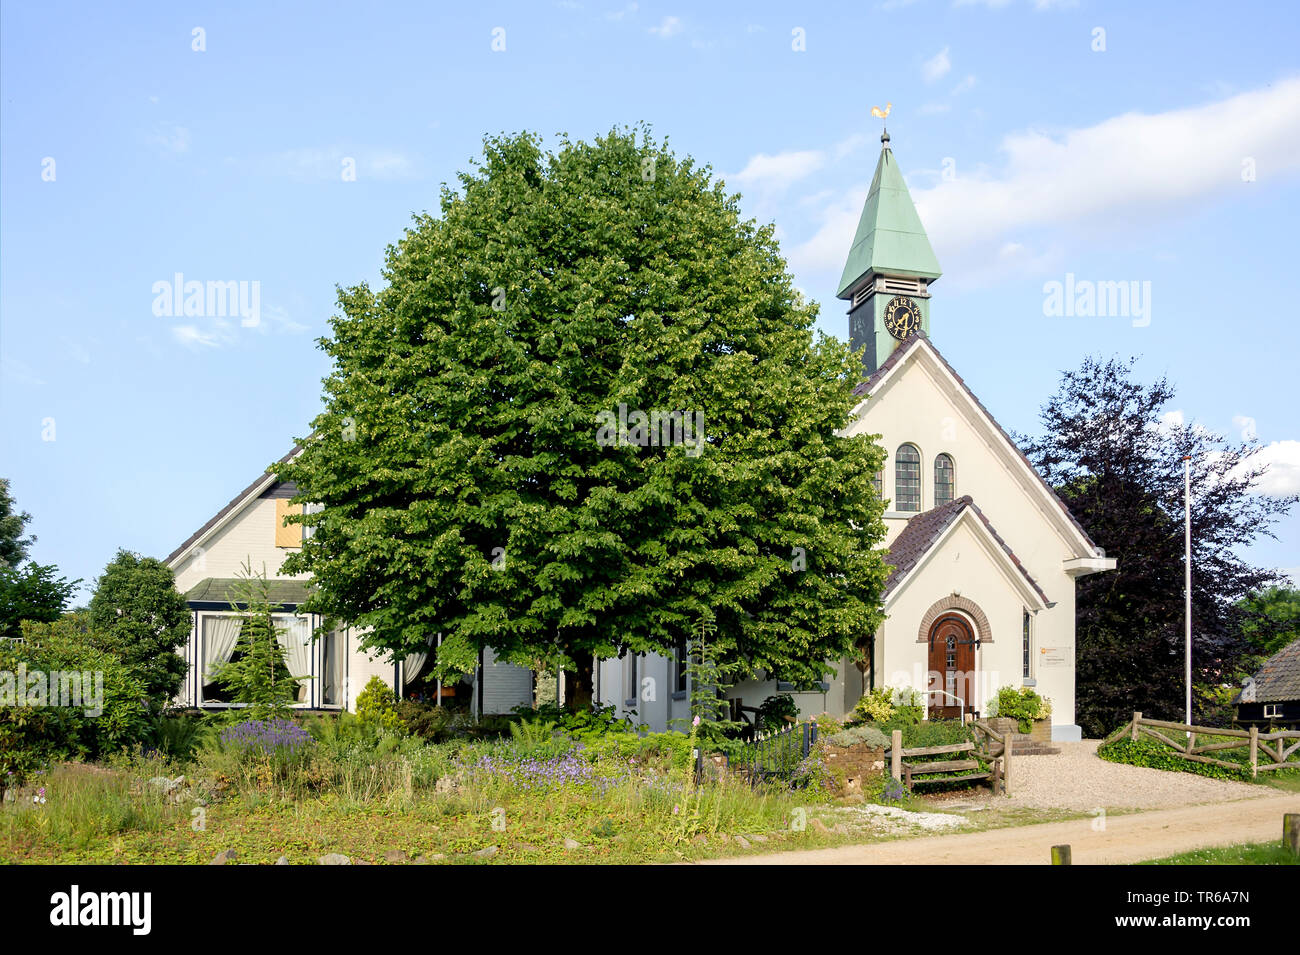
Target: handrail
{"points": [[960, 703]]}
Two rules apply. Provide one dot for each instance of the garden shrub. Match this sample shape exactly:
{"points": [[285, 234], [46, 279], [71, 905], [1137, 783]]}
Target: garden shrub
{"points": [[1153, 754], [378, 705], [1023, 705], [34, 736], [890, 705], [864, 734]]}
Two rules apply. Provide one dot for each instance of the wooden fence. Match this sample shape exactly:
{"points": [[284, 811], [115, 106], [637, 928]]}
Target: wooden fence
{"points": [[994, 748], [1262, 757]]}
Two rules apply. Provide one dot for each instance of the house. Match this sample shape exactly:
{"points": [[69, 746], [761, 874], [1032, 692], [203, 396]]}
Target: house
{"points": [[1272, 696], [251, 529], [984, 554]]}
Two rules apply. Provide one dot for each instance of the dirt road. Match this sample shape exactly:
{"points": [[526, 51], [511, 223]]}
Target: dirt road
{"points": [[1124, 839]]}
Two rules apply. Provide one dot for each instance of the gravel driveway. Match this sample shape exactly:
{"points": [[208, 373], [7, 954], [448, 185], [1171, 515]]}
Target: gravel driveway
{"points": [[1078, 778]]}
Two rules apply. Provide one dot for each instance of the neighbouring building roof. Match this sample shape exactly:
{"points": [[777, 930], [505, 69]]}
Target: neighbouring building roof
{"points": [[920, 339], [238, 499], [924, 531], [216, 590], [1278, 680]]}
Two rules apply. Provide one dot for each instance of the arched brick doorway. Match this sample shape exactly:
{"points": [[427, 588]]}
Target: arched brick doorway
{"points": [[952, 663]]}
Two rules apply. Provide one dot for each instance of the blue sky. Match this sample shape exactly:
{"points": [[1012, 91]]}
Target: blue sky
{"points": [[1163, 149]]}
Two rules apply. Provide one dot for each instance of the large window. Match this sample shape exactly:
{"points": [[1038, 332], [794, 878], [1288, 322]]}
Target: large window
{"points": [[943, 480], [907, 479], [879, 483]]}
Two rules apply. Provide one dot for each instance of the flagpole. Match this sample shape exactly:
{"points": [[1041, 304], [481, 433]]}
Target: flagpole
{"points": [[1187, 576]]}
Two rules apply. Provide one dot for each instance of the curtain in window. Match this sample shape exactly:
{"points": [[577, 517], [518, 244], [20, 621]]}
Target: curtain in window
{"points": [[294, 635], [412, 664], [332, 670], [220, 634]]}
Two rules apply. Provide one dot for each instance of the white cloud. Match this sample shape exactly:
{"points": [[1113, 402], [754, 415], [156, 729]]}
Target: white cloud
{"points": [[1283, 474], [668, 26], [627, 11], [936, 67], [192, 337], [17, 372], [966, 84], [779, 170], [1134, 168], [325, 163], [1245, 425], [170, 139]]}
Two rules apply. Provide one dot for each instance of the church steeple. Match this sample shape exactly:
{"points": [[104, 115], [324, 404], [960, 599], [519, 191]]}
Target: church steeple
{"points": [[890, 267]]}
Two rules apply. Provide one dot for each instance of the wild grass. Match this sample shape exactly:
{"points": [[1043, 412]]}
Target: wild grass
{"points": [[76, 805]]}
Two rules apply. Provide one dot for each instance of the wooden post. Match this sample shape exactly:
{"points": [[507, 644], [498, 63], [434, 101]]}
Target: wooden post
{"points": [[1291, 832], [1137, 718], [1061, 855], [1254, 750], [1006, 764], [896, 755]]}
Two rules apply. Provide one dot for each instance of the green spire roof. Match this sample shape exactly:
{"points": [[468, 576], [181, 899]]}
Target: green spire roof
{"points": [[890, 239]]}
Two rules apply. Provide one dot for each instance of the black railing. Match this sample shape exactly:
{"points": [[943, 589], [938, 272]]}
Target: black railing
{"points": [[777, 755]]}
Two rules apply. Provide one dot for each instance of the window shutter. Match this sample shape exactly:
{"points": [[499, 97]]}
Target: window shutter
{"points": [[291, 535]]}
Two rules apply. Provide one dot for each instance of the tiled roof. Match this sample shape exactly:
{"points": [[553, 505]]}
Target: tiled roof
{"points": [[923, 532], [217, 590], [1278, 680], [904, 347], [234, 502]]}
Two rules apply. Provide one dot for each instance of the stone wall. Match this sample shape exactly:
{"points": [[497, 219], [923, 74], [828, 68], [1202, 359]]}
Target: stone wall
{"points": [[853, 769]]}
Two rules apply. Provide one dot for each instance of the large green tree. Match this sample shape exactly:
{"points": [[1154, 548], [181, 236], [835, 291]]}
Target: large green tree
{"points": [[468, 487], [143, 620], [1116, 459]]}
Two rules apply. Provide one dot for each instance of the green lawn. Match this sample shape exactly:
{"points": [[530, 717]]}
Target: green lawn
{"points": [[1268, 853]]}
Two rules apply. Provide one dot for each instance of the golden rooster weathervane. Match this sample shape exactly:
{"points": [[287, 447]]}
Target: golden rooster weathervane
{"points": [[882, 114]]}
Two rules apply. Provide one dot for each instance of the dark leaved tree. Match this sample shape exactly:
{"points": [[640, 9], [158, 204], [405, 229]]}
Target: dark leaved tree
{"points": [[1116, 459]]}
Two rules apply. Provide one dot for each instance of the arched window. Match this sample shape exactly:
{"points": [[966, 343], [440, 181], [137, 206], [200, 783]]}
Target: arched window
{"points": [[907, 479], [943, 480]]}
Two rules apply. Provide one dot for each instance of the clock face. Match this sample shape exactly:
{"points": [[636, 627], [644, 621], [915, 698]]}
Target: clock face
{"points": [[902, 317]]}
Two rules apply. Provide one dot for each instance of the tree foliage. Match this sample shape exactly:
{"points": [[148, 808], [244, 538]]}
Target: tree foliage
{"points": [[463, 486], [1272, 619], [1116, 459], [13, 546], [27, 592], [137, 607]]}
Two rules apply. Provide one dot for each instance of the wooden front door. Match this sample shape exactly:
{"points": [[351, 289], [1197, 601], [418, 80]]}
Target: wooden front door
{"points": [[952, 666]]}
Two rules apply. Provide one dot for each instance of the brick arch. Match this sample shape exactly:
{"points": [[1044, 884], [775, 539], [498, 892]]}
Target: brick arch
{"points": [[956, 602]]}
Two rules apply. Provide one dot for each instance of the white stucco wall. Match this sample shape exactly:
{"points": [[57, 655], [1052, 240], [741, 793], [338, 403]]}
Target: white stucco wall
{"points": [[921, 406]]}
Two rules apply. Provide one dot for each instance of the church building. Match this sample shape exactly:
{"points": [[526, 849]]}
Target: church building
{"points": [[984, 554]]}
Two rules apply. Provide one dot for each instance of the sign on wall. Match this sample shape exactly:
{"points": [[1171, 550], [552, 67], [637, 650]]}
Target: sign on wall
{"points": [[1053, 658]]}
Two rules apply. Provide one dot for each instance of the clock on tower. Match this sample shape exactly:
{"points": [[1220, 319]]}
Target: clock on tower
{"points": [[890, 268]]}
